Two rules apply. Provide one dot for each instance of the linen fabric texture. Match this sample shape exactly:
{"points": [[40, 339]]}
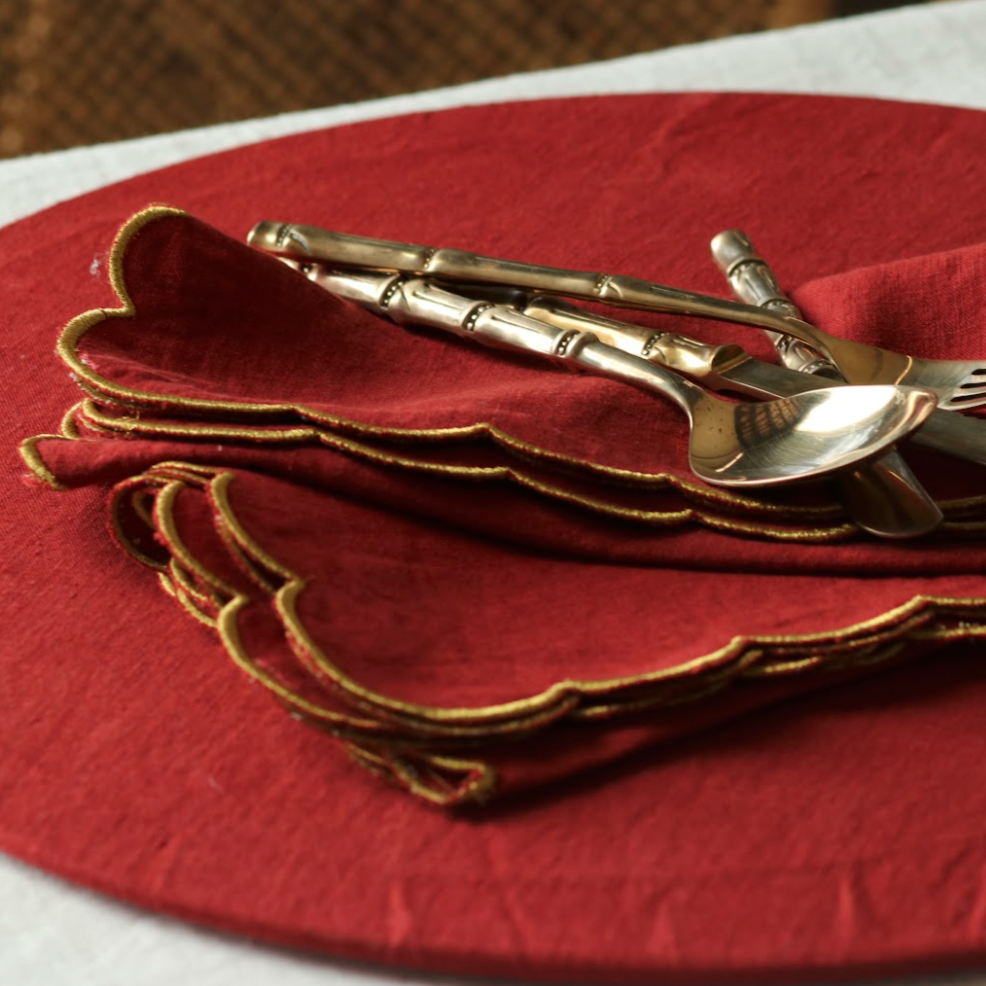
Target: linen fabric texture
{"points": [[489, 580]]}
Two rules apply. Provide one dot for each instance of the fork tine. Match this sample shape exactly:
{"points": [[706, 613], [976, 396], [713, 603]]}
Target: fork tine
{"points": [[960, 384], [963, 402]]}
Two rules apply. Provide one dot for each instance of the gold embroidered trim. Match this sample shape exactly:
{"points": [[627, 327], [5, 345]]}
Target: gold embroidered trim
{"points": [[479, 779], [396, 728], [507, 474], [875, 640], [96, 418], [32, 459]]}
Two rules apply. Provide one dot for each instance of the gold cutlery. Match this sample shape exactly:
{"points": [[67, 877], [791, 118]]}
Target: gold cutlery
{"points": [[726, 367], [731, 444], [882, 495], [730, 368], [958, 383]]}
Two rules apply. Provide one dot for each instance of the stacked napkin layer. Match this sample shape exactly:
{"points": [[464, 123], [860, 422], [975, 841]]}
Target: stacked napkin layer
{"points": [[451, 560]]}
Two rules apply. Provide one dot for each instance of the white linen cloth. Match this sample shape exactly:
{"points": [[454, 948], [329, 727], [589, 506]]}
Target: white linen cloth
{"points": [[52, 933]]}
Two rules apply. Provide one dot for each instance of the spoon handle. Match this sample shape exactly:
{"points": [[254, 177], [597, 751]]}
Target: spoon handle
{"points": [[344, 250], [403, 299], [755, 283]]}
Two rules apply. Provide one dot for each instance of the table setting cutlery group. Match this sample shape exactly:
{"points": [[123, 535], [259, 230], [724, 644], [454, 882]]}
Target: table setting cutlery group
{"points": [[834, 406]]}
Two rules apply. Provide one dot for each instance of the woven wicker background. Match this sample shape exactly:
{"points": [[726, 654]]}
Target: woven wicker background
{"points": [[83, 71]]}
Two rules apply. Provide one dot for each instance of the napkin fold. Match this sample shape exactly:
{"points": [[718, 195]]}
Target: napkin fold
{"points": [[479, 573]]}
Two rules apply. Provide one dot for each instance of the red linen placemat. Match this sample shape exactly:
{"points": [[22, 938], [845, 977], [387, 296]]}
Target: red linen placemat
{"points": [[143, 764]]}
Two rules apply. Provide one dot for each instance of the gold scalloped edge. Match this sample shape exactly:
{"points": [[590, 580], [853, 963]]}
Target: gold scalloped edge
{"points": [[401, 745], [130, 490], [35, 463], [427, 776], [92, 417], [183, 561], [192, 607], [31, 454], [548, 705], [95, 384], [775, 652], [955, 523]]}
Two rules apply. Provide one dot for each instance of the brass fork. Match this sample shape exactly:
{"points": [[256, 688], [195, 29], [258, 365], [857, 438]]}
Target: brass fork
{"points": [[958, 384]]}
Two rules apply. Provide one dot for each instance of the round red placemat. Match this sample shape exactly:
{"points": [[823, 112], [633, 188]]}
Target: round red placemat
{"points": [[839, 834]]}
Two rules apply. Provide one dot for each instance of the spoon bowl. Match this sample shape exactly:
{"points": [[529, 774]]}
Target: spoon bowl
{"points": [[800, 437]]}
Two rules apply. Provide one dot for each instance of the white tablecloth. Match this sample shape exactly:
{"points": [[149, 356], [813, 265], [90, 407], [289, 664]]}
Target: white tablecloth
{"points": [[52, 933]]}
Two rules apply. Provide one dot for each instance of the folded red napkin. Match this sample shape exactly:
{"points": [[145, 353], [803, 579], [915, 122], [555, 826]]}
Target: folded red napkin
{"points": [[447, 557], [832, 834]]}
